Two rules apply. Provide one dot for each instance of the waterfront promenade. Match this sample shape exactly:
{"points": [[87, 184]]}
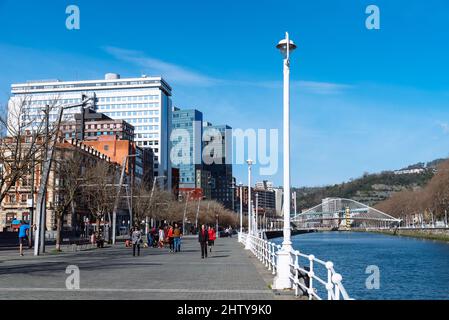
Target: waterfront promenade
{"points": [[230, 272]]}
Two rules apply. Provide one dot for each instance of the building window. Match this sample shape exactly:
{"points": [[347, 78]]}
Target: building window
{"points": [[10, 217]]}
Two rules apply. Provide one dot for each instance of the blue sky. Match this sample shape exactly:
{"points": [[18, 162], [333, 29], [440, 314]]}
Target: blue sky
{"points": [[362, 100]]}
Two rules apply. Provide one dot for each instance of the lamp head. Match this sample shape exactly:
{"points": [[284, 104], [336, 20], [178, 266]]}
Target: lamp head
{"points": [[249, 162], [282, 46]]}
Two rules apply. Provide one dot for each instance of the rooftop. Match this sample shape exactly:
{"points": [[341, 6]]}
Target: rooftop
{"points": [[110, 81]]}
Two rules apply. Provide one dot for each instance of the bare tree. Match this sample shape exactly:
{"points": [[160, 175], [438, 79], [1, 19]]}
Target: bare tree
{"points": [[25, 135], [99, 190], [426, 203], [68, 169]]}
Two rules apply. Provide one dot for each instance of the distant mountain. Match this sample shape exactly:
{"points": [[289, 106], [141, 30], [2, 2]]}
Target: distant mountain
{"points": [[370, 189]]}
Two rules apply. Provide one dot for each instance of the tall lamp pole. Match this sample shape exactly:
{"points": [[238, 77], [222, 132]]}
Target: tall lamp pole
{"points": [[282, 280], [117, 197], [151, 202], [248, 238], [185, 212], [241, 209], [256, 229]]}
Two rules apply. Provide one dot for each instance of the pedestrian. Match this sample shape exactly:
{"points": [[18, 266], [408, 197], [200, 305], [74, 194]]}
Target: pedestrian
{"points": [[170, 238], [23, 235], [203, 236], [230, 232], [161, 237], [155, 237], [150, 238], [212, 236], [177, 238], [136, 238]]}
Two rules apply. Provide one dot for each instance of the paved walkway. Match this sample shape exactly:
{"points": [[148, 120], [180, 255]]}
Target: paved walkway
{"points": [[113, 273]]}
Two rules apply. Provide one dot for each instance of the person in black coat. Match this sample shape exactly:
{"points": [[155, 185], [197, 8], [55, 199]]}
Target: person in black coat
{"points": [[203, 237]]}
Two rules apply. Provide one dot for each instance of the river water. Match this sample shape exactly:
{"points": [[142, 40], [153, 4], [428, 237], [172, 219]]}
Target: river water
{"points": [[408, 268]]}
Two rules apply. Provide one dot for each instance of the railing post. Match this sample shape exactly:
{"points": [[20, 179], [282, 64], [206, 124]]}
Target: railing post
{"points": [[266, 255], [296, 281], [311, 274], [329, 285], [262, 250], [336, 278], [273, 258], [269, 255]]}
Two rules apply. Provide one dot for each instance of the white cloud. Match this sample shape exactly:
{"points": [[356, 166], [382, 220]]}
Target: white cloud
{"points": [[184, 76], [169, 71]]}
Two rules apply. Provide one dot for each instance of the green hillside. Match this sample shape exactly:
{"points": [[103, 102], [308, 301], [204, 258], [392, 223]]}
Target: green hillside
{"points": [[369, 189]]}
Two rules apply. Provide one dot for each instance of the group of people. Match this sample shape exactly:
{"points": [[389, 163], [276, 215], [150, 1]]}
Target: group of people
{"points": [[170, 234]]}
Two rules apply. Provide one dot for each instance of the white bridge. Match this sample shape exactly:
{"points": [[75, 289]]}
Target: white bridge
{"points": [[339, 212]]}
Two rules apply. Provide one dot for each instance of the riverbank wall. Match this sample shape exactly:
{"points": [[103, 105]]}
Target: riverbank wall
{"points": [[440, 234]]}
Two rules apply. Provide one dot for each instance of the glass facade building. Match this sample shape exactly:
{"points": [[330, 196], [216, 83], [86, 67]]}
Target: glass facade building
{"points": [[187, 145]]}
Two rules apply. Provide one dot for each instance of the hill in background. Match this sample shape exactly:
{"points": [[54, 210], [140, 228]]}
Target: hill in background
{"points": [[371, 189]]}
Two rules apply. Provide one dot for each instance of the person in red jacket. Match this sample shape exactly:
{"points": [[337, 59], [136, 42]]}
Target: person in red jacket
{"points": [[212, 237], [170, 238]]}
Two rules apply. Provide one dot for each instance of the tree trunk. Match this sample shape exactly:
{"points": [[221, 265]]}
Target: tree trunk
{"points": [[59, 220], [98, 223], [74, 221]]}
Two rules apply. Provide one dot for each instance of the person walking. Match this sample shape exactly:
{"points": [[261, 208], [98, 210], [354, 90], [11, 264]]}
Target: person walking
{"points": [[212, 236], [161, 237], [177, 238], [203, 237], [150, 238], [136, 238], [23, 235], [170, 238]]}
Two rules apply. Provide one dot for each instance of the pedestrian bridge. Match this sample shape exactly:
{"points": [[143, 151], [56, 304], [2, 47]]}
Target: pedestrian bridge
{"points": [[343, 213]]}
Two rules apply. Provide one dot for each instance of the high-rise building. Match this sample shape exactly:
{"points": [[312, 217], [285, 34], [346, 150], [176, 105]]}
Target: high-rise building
{"points": [[186, 151], [264, 185], [217, 159], [143, 102], [279, 195], [266, 200]]}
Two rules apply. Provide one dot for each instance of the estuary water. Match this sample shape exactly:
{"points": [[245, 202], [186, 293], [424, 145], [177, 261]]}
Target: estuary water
{"points": [[408, 268]]}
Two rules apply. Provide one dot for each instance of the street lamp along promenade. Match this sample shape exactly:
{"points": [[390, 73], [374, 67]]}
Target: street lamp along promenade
{"points": [[248, 239], [282, 279]]}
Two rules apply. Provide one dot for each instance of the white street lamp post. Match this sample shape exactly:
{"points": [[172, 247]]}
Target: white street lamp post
{"points": [[248, 238], [241, 210], [282, 280], [184, 215], [256, 229], [147, 224]]}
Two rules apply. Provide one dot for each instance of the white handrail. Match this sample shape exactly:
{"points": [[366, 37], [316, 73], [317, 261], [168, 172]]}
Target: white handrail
{"points": [[266, 252]]}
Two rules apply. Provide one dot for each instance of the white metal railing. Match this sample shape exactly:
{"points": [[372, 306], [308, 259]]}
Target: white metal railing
{"points": [[303, 276]]}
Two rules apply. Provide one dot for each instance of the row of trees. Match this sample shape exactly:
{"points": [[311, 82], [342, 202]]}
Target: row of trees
{"points": [[430, 202], [81, 183], [93, 186]]}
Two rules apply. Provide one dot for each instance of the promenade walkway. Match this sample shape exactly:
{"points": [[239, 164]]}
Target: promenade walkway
{"points": [[230, 272]]}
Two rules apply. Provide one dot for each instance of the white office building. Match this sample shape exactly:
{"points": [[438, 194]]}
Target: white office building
{"points": [[144, 102]]}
